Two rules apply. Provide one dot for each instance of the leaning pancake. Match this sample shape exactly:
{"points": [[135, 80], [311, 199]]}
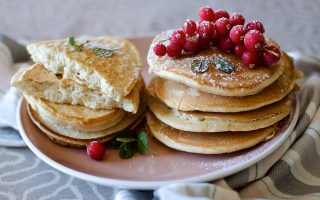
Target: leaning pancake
{"points": [[220, 122], [181, 97], [75, 116], [69, 132], [74, 142], [207, 143], [241, 82], [38, 81]]}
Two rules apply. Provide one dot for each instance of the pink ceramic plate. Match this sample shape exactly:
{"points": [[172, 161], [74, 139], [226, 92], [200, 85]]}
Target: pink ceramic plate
{"points": [[160, 166]]}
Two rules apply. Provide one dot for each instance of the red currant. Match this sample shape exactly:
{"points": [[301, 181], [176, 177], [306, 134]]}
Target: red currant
{"points": [[223, 26], [254, 40], [225, 44], [206, 29], [178, 37], [192, 44], [236, 19], [250, 58], [96, 150], [239, 49], [173, 49], [221, 13], [160, 49], [215, 38], [204, 41], [255, 25], [206, 13], [237, 33], [270, 55], [189, 27]]}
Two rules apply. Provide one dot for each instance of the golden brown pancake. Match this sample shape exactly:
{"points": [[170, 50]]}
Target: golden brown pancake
{"points": [[116, 75], [220, 122], [207, 143], [241, 82], [181, 97], [74, 142], [75, 116]]}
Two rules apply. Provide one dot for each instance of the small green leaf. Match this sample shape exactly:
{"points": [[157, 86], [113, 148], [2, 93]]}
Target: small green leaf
{"points": [[223, 65], [72, 41], [102, 52], [200, 66], [121, 134], [142, 142], [126, 139], [126, 150]]}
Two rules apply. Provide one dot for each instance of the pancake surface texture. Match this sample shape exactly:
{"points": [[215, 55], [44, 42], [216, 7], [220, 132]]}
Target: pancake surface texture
{"points": [[241, 82], [181, 97], [37, 81], [70, 132], [115, 75], [207, 143], [221, 122]]}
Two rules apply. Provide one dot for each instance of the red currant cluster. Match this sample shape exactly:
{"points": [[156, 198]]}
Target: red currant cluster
{"points": [[217, 28]]}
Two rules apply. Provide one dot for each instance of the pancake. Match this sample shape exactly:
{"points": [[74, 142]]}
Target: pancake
{"points": [[69, 132], [38, 81], [75, 116], [207, 143], [181, 97], [75, 142], [115, 75], [220, 122], [241, 82]]}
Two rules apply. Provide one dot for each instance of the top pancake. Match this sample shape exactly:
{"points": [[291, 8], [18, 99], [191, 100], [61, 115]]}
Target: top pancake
{"points": [[115, 75], [241, 82], [181, 97]]}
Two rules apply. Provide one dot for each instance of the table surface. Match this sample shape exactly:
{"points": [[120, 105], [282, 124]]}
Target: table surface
{"points": [[294, 24]]}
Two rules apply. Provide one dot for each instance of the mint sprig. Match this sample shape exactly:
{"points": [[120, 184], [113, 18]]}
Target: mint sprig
{"points": [[77, 47], [223, 65], [128, 141]]}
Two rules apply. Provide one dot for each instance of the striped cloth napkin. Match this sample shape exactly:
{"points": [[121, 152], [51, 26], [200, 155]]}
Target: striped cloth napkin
{"points": [[291, 172]]}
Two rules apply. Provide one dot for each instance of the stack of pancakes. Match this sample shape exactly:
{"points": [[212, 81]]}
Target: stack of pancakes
{"points": [[216, 112], [76, 95]]}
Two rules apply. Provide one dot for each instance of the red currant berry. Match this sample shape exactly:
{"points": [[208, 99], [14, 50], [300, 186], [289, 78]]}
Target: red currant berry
{"points": [[189, 27], [237, 34], [221, 13], [160, 49], [96, 150], [270, 55], [206, 29], [255, 25], [206, 13], [173, 49], [204, 41], [250, 58], [254, 40], [236, 19], [223, 26], [215, 38], [239, 49], [178, 37], [192, 44], [225, 44]]}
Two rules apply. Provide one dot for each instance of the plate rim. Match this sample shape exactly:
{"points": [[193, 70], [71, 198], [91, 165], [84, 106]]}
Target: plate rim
{"points": [[151, 185]]}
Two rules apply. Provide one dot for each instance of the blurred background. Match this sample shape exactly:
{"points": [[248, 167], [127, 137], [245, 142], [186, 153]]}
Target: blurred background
{"points": [[295, 24]]}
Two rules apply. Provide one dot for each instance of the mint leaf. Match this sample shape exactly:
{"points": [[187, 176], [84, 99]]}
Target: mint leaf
{"points": [[126, 139], [121, 134], [72, 42], [223, 65], [142, 142], [126, 150], [102, 52], [200, 66]]}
